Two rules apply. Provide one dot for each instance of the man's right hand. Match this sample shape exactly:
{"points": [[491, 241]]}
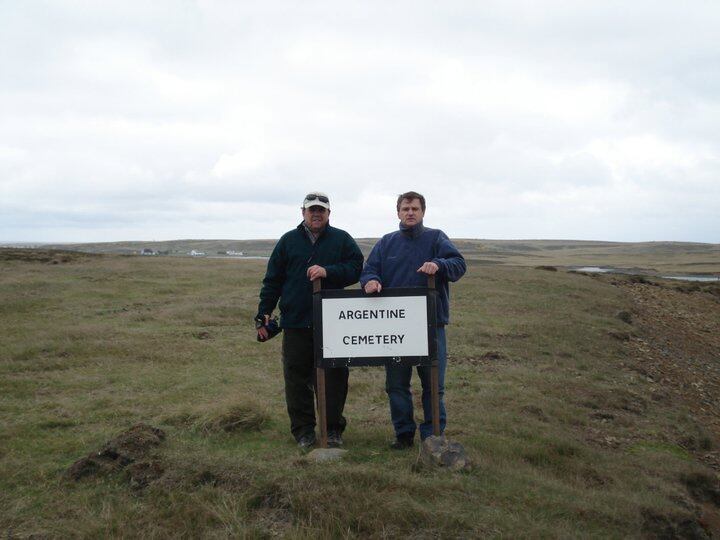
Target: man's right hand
{"points": [[262, 331], [373, 286]]}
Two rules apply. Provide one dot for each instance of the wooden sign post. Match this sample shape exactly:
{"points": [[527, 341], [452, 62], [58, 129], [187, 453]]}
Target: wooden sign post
{"points": [[435, 380], [320, 387]]}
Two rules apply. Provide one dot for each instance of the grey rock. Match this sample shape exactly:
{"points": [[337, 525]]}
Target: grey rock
{"points": [[442, 452], [323, 455]]}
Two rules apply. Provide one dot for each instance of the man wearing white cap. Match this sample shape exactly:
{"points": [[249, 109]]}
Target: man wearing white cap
{"points": [[313, 250]]}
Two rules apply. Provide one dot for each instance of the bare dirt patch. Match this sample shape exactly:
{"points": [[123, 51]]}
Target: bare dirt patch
{"points": [[129, 451], [676, 347]]}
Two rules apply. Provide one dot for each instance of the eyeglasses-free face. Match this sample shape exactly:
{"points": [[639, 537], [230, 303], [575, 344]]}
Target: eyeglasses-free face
{"points": [[410, 212]]}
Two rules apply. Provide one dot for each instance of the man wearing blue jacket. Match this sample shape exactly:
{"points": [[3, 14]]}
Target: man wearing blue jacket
{"points": [[405, 258], [313, 250]]}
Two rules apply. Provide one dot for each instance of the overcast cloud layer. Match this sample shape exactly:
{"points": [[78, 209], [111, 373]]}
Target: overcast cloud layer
{"points": [[211, 119]]}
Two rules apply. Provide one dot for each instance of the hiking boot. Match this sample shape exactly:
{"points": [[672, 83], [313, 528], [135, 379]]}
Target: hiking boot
{"points": [[402, 442], [307, 441], [334, 439]]}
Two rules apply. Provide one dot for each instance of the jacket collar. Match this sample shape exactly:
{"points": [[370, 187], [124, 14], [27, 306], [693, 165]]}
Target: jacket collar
{"points": [[307, 232], [414, 231]]}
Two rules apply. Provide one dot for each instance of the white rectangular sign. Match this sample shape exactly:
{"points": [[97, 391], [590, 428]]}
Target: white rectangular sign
{"points": [[374, 326]]}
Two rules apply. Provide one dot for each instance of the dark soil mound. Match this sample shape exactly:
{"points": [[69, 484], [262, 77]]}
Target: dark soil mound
{"points": [[657, 525], [130, 447], [703, 487]]}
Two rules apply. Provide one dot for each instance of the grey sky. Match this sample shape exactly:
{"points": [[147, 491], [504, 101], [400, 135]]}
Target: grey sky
{"points": [[211, 119]]}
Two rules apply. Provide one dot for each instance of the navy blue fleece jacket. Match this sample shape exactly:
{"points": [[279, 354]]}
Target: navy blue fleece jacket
{"points": [[396, 257]]}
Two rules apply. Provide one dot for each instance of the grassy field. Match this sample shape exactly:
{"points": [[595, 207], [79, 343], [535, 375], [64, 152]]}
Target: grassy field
{"points": [[568, 438]]}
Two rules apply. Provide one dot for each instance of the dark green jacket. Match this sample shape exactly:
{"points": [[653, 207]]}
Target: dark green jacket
{"points": [[286, 277]]}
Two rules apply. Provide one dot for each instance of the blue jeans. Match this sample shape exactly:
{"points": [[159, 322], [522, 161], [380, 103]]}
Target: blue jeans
{"points": [[397, 386]]}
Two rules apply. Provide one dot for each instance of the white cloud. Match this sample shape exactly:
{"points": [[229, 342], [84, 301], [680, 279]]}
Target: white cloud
{"points": [[647, 152], [244, 162], [214, 118], [500, 90]]}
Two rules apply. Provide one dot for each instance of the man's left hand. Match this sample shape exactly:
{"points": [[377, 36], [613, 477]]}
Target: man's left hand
{"points": [[316, 272], [429, 268]]}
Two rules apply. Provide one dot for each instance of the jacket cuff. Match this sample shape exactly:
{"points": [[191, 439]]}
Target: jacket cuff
{"points": [[441, 266], [331, 271], [364, 281]]}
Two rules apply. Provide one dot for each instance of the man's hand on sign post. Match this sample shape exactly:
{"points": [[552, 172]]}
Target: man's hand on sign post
{"points": [[262, 331], [373, 286], [316, 272], [429, 268]]}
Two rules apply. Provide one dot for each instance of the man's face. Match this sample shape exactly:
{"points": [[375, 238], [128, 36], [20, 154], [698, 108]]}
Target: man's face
{"points": [[316, 218], [410, 212]]}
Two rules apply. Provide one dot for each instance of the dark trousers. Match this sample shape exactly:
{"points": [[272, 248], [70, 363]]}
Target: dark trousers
{"points": [[397, 386], [299, 371]]}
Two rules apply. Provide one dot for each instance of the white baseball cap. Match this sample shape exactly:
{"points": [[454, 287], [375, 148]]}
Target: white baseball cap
{"points": [[316, 198]]}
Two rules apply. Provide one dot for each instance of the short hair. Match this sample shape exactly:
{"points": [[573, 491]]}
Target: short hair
{"points": [[410, 195]]}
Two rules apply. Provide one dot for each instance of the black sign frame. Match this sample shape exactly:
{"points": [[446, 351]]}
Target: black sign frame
{"points": [[431, 301]]}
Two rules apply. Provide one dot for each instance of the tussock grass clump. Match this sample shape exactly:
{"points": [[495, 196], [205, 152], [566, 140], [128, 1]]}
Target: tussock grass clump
{"points": [[245, 416]]}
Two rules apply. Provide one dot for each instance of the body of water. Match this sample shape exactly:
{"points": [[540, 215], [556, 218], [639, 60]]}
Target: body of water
{"points": [[260, 257], [694, 278], [595, 269], [610, 270]]}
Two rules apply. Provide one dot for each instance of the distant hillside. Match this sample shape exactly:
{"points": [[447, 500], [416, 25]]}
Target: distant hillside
{"points": [[687, 257], [177, 247]]}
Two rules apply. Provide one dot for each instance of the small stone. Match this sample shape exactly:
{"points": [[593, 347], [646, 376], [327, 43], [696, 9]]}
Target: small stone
{"points": [[441, 452], [324, 455]]}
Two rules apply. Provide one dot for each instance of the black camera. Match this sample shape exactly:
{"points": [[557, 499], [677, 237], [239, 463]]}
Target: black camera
{"points": [[272, 327]]}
